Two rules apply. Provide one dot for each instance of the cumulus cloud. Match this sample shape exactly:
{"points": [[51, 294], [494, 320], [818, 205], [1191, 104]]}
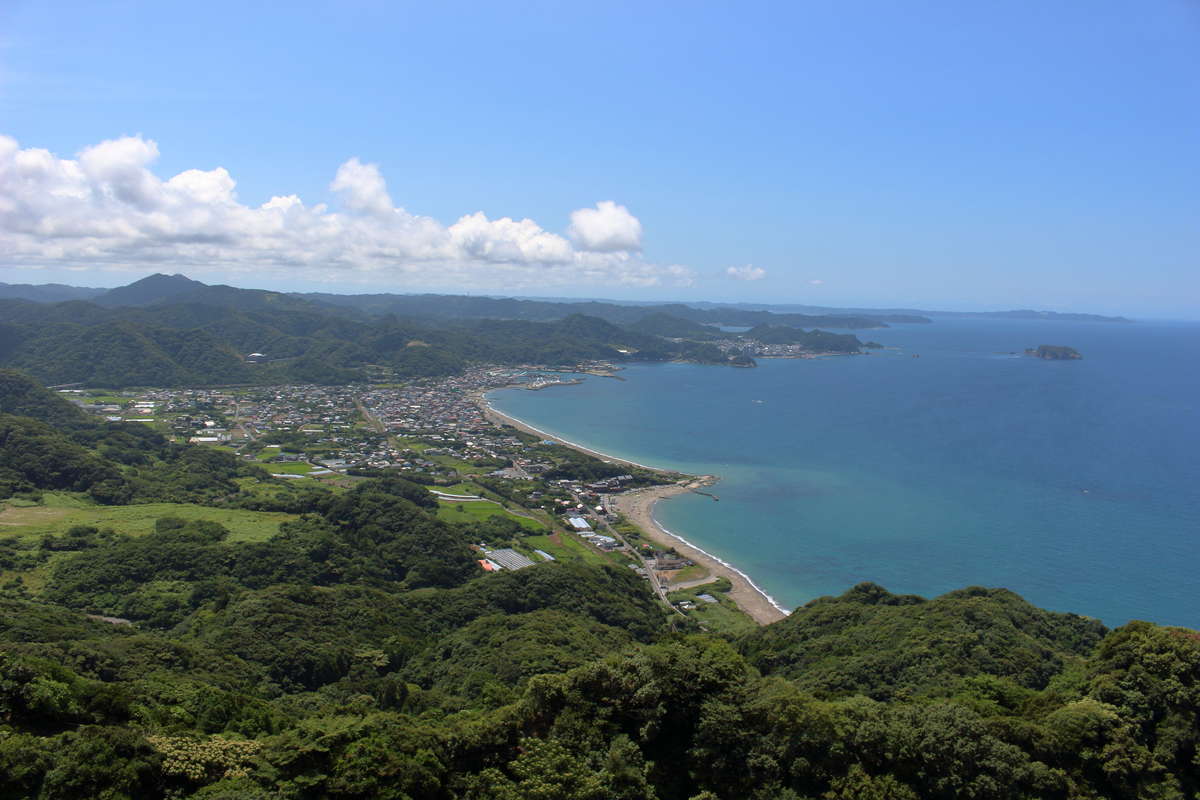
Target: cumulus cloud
{"points": [[747, 273], [816, 282], [607, 228], [107, 209], [362, 188]]}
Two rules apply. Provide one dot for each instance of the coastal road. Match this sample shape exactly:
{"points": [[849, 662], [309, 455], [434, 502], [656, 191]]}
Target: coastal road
{"points": [[650, 576]]}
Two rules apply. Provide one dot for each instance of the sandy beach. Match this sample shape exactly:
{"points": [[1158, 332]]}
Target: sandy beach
{"points": [[638, 507], [503, 419]]}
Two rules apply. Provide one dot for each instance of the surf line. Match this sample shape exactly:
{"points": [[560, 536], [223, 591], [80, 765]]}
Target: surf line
{"points": [[720, 561], [569, 443], [599, 454]]}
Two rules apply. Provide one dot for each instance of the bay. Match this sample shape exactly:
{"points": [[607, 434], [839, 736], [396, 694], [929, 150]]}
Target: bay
{"points": [[1074, 483]]}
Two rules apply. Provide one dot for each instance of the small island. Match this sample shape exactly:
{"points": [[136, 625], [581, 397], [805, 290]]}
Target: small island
{"points": [[1054, 352]]}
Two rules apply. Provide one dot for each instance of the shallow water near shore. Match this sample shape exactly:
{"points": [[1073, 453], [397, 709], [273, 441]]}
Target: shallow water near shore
{"points": [[1075, 484]]}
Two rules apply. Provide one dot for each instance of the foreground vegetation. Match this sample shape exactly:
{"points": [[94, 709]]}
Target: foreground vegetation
{"points": [[200, 636]]}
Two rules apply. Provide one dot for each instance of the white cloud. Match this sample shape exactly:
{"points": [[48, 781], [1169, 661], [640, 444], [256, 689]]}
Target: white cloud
{"points": [[816, 282], [607, 228], [362, 188], [747, 273], [107, 209]]}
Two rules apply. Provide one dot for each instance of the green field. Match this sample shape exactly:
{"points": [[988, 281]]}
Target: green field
{"points": [[476, 510], [59, 511], [63, 512], [462, 488], [450, 462], [268, 452], [290, 468], [568, 548], [692, 573], [632, 534], [470, 487], [106, 399], [722, 616]]}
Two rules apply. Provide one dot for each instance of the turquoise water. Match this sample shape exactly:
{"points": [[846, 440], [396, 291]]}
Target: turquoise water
{"points": [[1075, 484]]}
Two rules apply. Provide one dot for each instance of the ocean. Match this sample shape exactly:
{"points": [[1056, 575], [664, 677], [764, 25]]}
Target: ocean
{"points": [[1073, 483]]}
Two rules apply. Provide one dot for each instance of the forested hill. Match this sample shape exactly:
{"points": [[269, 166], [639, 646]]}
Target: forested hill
{"points": [[433, 306], [169, 330], [341, 641], [47, 292], [816, 340], [199, 343], [160, 289], [22, 396]]}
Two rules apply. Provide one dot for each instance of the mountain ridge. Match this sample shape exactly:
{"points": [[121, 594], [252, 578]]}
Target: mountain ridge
{"points": [[378, 302]]}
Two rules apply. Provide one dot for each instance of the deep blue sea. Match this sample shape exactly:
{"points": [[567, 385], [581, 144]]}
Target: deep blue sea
{"points": [[1074, 483]]}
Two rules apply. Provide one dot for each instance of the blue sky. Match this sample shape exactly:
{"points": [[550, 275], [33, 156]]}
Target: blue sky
{"points": [[930, 154]]}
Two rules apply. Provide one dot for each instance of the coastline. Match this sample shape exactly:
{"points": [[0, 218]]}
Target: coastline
{"points": [[501, 418], [638, 507]]}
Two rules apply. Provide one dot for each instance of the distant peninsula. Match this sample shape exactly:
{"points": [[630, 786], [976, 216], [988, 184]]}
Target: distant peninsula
{"points": [[1054, 352], [916, 315]]}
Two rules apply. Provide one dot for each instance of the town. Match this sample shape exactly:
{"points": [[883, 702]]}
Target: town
{"points": [[531, 498]]}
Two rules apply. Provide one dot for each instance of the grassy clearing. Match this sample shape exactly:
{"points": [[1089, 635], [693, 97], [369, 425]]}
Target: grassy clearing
{"points": [[450, 462], [290, 468], [621, 558], [17, 518], [63, 500], [470, 487], [722, 616], [476, 510], [464, 487], [544, 517], [693, 573], [631, 533], [268, 452], [104, 399], [37, 521], [565, 547], [21, 502]]}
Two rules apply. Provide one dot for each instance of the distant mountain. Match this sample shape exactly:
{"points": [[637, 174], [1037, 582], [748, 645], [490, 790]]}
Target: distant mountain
{"points": [[173, 343], [661, 324], [877, 315], [122, 352], [434, 306], [47, 292], [160, 288], [1030, 314], [231, 297], [817, 341], [149, 290], [910, 315]]}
